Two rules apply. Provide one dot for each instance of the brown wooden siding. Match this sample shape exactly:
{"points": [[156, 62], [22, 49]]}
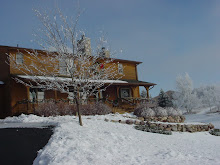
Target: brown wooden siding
{"points": [[28, 62], [110, 93], [5, 97], [18, 93], [129, 71], [49, 94], [61, 95]]}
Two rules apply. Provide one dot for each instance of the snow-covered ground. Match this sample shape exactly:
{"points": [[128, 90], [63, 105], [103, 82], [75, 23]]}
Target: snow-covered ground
{"points": [[204, 116], [99, 142]]}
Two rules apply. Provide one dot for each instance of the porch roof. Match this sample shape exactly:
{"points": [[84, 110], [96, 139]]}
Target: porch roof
{"points": [[138, 83], [66, 79]]}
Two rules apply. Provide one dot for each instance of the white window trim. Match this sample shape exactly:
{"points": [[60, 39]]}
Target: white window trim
{"points": [[40, 96], [19, 58], [120, 68], [64, 67]]}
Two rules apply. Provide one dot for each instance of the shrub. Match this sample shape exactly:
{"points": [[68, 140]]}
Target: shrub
{"points": [[62, 108], [102, 109], [98, 108], [148, 113], [47, 109], [160, 112], [173, 112], [66, 109], [54, 109], [140, 109]]}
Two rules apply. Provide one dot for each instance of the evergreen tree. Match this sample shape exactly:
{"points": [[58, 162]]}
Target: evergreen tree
{"points": [[164, 100], [143, 94]]}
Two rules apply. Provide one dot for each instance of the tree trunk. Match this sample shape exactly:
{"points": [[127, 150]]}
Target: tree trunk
{"points": [[78, 110]]}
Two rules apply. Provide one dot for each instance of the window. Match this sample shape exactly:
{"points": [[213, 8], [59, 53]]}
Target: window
{"points": [[36, 95], [120, 68], [19, 58], [66, 66], [33, 95], [62, 67], [70, 96], [125, 92], [40, 96]]}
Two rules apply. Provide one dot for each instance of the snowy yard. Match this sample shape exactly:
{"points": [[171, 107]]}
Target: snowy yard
{"points": [[99, 142], [204, 116]]}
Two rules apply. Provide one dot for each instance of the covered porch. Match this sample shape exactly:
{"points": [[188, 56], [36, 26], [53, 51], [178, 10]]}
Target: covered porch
{"points": [[121, 96], [124, 97]]}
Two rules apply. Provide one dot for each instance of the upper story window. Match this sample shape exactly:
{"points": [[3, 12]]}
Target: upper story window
{"points": [[66, 67], [19, 58], [120, 68], [62, 67]]}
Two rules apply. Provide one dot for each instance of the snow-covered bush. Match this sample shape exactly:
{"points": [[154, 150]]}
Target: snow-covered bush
{"points": [[54, 109], [140, 109], [160, 111], [102, 109], [173, 112], [148, 113], [143, 111], [98, 108]]}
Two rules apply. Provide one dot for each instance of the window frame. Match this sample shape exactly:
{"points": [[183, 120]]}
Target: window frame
{"points": [[130, 94], [19, 58], [120, 68], [62, 67], [65, 65]]}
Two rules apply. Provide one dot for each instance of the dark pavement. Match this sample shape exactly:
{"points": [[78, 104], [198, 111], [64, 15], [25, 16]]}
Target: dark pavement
{"points": [[19, 146]]}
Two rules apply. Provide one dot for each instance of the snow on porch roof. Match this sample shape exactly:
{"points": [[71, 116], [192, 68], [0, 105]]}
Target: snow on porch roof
{"points": [[69, 79]]}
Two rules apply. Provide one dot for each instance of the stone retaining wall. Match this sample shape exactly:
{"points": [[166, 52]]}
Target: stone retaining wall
{"points": [[215, 132], [180, 127], [168, 127], [169, 119]]}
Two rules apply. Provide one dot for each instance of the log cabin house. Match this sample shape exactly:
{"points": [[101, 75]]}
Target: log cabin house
{"points": [[16, 98]]}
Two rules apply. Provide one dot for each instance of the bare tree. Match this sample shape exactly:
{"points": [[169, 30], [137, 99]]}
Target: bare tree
{"points": [[67, 62]]}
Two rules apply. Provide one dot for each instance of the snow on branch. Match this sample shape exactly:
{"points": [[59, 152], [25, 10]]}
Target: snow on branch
{"points": [[67, 62]]}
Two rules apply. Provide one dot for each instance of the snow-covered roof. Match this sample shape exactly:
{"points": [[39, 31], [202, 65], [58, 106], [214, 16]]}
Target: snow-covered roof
{"points": [[1, 82], [69, 79]]}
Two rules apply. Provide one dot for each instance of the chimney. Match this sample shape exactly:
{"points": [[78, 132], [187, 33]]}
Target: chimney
{"points": [[104, 53], [84, 46]]}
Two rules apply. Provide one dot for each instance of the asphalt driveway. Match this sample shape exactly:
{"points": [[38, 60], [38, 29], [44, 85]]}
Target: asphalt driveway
{"points": [[19, 146]]}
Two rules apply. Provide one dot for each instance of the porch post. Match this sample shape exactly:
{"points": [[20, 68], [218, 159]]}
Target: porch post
{"points": [[132, 94], [99, 93], [117, 91], [28, 97], [147, 89], [55, 94]]}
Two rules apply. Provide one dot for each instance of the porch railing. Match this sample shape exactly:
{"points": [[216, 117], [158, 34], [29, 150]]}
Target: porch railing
{"points": [[27, 106]]}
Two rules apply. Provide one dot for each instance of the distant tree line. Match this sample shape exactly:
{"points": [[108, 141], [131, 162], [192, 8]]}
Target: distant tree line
{"points": [[188, 98]]}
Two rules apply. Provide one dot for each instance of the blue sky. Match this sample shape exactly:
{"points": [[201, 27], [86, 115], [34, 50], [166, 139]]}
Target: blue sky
{"points": [[170, 37]]}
